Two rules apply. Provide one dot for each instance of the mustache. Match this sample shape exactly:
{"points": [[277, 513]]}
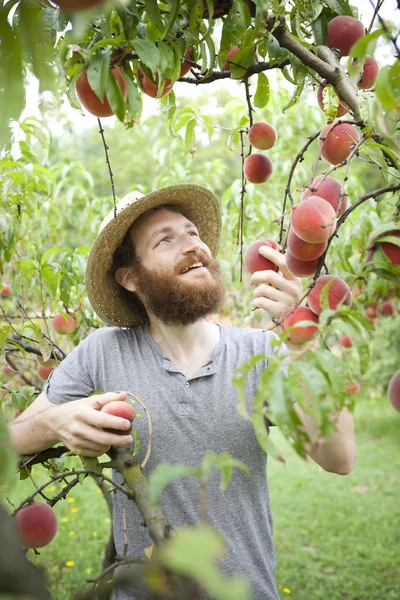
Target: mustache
{"points": [[200, 256]]}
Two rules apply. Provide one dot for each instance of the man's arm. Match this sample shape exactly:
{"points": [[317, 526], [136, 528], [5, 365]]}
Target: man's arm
{"points": [[77, 424], [338, 453]]}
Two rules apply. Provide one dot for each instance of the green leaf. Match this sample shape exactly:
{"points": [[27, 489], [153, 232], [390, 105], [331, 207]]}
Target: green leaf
{"points": [[194, 552], [172, 16], [133, 101], [387, 86], [12, 95], [115, 97], [153, 12], [261, 97], [97, 73], [295, 96], [236, 23], [359, 51], [148, 53], [190, 134], [225, 463], [8, 459], [340, 7], [164, 474]]}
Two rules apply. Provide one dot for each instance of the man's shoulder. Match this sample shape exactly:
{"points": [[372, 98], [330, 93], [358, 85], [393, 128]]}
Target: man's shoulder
{"points": [[256, 340], [118, 335]]}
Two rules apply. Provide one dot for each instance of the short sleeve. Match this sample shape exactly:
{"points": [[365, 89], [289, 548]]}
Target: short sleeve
{"points": [[71, 380]]}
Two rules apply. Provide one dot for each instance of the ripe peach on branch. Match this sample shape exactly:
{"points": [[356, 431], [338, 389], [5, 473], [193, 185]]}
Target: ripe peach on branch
{"points": [[300, 333], [337, 142], [6, 290], [254, 261], [302, 250], [36, 525], [330, 190], [257, 168], [313, 220], [89, 99], [369, 74], [300, 268], [262, 135], [120, 409], [344, 31], [150, 87], [63, 325], [336, 294]]}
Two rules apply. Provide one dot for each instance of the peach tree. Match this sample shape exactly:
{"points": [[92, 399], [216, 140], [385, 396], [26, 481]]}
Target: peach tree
{"points": [[335, 216]]}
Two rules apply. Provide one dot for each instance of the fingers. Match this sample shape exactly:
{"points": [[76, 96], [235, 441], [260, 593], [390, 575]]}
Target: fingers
{"points": [[272, 293], [101, 400], [86, 437], [99, 419], [271, 306]]}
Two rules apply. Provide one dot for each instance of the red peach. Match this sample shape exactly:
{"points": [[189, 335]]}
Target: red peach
{"points": [[121, 409], [185, 66], [313, 220], [300, 334], [394, 391], [150, 87], [329, 189], [262, 135], [88, 98], [300, 268], [257, 168], [44, 372], [337, 142], [8, 371], [369, 74], [371, 311], [343, 32], [345, 341], [254, 261], [304, 250], [62, 325], [352, 387], [342, 108], [391, 250], [337, 294], [36, 525], [6, 290], [387, 308]]}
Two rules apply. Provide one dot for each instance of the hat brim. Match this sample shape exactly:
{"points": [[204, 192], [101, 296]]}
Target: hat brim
{"points": [[105, 295]]}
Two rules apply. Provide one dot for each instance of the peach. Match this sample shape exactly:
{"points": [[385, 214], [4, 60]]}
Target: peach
{"points": [[88, 98], [352, 387], [6, 290], [8, 371], [257, 168], [330, 190], [300, 268], [337, 294], [345, 341], [36, 525], [391, 250], [387, 308], [230, 57], [262, 135], [304, 250], [254, 261], [301, 333], [337, 142], [394, 391], [313, 220], [185, 66], [369, 74], [121, 409], [63, 325], [44, 372], [150, 87], [343, 32], [342, 109]]}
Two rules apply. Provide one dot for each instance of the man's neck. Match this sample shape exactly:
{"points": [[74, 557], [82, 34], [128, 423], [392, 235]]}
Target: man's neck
{"points": [[179, 342]]}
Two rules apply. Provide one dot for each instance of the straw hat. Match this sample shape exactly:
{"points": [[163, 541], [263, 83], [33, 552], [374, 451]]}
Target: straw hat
{"points": [[106, 295]]}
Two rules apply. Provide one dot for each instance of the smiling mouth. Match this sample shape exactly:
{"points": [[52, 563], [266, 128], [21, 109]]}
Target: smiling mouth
{"points": [[192, 269], [195, 267]]}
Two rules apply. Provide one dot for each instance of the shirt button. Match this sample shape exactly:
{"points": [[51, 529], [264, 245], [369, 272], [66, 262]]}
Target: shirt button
{"points": [[187, 384]]}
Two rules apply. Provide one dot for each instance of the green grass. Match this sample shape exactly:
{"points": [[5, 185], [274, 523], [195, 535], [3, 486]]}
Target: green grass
{"points": [[337, 538]]}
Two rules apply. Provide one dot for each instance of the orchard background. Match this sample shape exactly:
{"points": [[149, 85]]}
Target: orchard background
{"points": [[60, 174]]}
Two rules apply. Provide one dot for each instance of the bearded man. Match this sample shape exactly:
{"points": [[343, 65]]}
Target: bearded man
{"points": [[153, 278]]}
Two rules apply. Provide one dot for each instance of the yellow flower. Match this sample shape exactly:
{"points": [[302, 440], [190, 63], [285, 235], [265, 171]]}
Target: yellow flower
{"points": [[98, 490], [53, 488], [72, 532], [70, 499], [64, 520], [94, 533], [69, 563], [287, 591], [88, 571], [74, 510]]}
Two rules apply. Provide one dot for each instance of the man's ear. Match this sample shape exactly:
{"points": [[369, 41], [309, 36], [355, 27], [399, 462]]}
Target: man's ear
{"points": [[124, 276]]}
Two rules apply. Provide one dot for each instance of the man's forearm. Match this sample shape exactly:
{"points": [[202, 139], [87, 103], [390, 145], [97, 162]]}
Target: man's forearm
{"points": [[32, 434]]}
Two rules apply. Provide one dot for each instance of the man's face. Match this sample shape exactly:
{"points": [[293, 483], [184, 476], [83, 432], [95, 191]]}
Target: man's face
{"points": [[170, 287]]}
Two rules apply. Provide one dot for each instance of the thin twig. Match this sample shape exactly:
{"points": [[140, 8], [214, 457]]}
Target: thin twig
{"points": [[106, 148]]}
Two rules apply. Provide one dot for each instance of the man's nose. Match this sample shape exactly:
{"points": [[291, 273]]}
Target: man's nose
{"points": [[190, 243]]}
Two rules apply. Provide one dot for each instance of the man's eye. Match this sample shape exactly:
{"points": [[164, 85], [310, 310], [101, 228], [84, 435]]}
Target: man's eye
{"points": [[165, 239], [194, 233]]}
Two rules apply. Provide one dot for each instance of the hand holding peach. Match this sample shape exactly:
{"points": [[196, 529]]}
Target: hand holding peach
{"points": [[275, 291]]}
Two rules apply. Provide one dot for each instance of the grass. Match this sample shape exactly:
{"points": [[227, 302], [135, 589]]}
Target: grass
{"points": [[337, 538]]}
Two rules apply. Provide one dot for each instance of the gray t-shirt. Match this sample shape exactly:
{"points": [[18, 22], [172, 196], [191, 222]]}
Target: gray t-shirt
{"points": [[190, 417]]}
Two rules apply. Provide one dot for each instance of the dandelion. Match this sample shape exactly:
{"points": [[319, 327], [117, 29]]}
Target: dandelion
{"points": [[53, 488], [89, 571], [70, 499], [74, 510], [286, 591], [72, 532], [98, 490], [94, 533], [64, 520], [69, 563]]}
